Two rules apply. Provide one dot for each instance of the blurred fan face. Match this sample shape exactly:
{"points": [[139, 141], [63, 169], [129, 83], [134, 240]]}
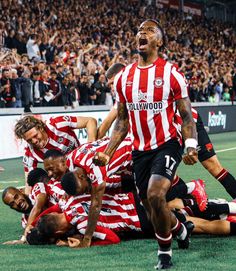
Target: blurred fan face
{"points": [[6, 74], [55, 167], [54, 76], [17, 201]]}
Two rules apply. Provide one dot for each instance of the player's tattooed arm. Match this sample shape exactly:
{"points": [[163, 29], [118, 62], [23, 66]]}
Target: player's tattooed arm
{"points": [[118, 134], [188, 128], [94, 211], [120, 130]]}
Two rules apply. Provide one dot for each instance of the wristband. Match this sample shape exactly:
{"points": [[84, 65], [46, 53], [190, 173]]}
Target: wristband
{"points": [[190, 143]]}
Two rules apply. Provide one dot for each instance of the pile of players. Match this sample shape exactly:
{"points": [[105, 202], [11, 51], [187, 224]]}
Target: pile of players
{"points": [[56, 210]]}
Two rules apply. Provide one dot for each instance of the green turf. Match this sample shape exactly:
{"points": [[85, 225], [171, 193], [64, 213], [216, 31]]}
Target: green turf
{"points": [[205, 252]]}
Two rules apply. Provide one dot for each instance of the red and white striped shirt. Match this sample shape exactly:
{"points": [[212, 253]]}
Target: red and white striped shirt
{"points": [[60, 137], [38, 188], [150, 94], [120, 162], [118, 213], [55, 191]]}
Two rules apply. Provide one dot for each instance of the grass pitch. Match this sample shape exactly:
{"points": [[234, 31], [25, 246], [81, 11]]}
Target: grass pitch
{"points": [[205, 252]]}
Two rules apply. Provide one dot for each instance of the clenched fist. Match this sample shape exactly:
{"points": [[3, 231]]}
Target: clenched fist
{"points": [[191, 157], [101, 159]]}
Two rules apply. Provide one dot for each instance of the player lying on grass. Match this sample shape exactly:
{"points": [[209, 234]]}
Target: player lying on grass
{"points": [[76, 213], [42, 196], [76, 183], [219, 218], [54, 225], [119, 213]]}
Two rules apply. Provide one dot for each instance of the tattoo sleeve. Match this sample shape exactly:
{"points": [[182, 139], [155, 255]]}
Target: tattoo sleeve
{"points": [[120, 130], [94, 210], [188, 128]]}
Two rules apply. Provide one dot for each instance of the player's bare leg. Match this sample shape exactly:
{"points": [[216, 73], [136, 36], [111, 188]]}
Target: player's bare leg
{"points": [[160, 218], [202, 226], [163, 220], [215, 168]]}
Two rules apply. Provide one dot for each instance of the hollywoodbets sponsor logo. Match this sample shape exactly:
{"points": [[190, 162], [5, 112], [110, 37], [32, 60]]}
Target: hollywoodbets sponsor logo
{"points": [[215, 120], [144, 106]]}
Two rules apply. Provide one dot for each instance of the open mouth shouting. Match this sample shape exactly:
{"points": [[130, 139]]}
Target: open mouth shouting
{"points": [[143, 42]]}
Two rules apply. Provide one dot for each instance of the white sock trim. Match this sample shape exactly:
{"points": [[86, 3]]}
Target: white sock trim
{"points": [[183, 235], [164, 239], [176, 225], [190, 186], [232, 207]]}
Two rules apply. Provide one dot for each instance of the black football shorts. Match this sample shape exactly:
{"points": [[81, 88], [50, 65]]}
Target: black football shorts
{"points": [[161, 161], [205, 146]]}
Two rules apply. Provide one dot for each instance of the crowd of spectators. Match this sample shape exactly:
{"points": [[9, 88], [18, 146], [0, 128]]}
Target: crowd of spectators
{"points": [[56, 52]]}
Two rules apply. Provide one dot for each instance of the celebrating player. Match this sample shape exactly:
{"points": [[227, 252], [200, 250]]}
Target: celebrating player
{"points": [[148, 92]]}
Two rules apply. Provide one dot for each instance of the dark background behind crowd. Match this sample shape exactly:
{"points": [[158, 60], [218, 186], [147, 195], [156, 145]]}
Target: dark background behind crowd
{"points": [[55, 53]]}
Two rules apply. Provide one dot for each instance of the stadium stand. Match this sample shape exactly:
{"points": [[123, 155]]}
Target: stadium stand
{"points": [[55, 53]]}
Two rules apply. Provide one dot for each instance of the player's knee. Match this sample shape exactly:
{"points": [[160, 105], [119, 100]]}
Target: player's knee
{"points": [[156, 198]]}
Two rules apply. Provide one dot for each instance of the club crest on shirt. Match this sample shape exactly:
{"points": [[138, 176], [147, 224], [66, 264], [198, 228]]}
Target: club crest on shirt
{"points": [[67, 118], [73, 211], [28, 161], [142, 96], [60, 140], [158, 82]]}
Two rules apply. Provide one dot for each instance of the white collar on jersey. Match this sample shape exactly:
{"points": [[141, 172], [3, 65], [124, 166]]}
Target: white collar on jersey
{"points": [[145, 67]]}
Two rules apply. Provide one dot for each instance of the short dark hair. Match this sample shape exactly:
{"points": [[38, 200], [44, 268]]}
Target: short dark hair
{"points": [[34, 237], [37, 175], [53, 153], [6, 190], [53, 72], [68, 183], [36, 73], [161, 29], [5, 70], [114, 69], [47, 225]]}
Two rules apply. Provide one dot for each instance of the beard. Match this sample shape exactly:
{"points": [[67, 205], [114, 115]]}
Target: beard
{"points": [[30, 206], [144, 55]]}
